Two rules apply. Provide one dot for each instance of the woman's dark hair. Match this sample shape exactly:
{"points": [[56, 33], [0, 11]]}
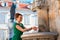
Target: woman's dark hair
{"points": [[17, 15]]}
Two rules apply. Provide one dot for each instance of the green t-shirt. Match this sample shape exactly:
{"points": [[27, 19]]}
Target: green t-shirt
{"points": [[17, 33]]}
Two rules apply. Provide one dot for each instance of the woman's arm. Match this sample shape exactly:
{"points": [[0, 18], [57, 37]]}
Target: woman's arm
{"points": [[21, 29]]}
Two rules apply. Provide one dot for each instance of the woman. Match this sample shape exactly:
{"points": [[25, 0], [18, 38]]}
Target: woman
{"points": [[19, 27]]}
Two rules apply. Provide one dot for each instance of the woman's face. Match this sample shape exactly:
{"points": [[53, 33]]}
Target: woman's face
{"points": [[19, 19]]}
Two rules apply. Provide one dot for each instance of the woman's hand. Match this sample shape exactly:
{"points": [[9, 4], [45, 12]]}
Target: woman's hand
{"points": [[34, 28]]}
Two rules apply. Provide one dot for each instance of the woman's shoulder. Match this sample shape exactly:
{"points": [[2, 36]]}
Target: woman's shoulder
{"points": [[15, 23], [21, 23]]}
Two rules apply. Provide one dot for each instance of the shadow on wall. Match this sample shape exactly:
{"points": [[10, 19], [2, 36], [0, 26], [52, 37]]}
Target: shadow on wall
{"points": [[42, 28]]}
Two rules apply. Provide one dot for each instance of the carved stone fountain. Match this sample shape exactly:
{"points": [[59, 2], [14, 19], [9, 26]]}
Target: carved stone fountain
{"points": [[47, 12]]}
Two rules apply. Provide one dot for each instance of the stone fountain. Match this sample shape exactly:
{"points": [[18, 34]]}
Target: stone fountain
{"points": [[47, 11]]}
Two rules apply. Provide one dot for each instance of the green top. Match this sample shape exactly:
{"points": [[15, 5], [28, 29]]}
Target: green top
{"points": [[17, 33]]}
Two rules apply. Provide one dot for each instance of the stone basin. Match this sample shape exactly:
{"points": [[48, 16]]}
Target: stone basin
{"points": [[40, 36]]}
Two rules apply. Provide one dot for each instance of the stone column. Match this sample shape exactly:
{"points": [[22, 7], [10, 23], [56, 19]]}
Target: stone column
{"points": [[52, 15], [54, 18], [41, 8], [42, 19]]}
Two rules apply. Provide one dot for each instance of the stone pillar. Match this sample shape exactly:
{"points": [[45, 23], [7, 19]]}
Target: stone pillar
{"points": [[52, 15], [41, 8], [42, 19], [54, 18]]}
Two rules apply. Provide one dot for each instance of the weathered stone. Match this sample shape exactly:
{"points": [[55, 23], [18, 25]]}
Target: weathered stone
{"points": [[39, 36], [53, 15]]}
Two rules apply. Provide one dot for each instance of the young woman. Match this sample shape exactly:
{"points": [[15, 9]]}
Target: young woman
{"points": [[19, 27]]}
